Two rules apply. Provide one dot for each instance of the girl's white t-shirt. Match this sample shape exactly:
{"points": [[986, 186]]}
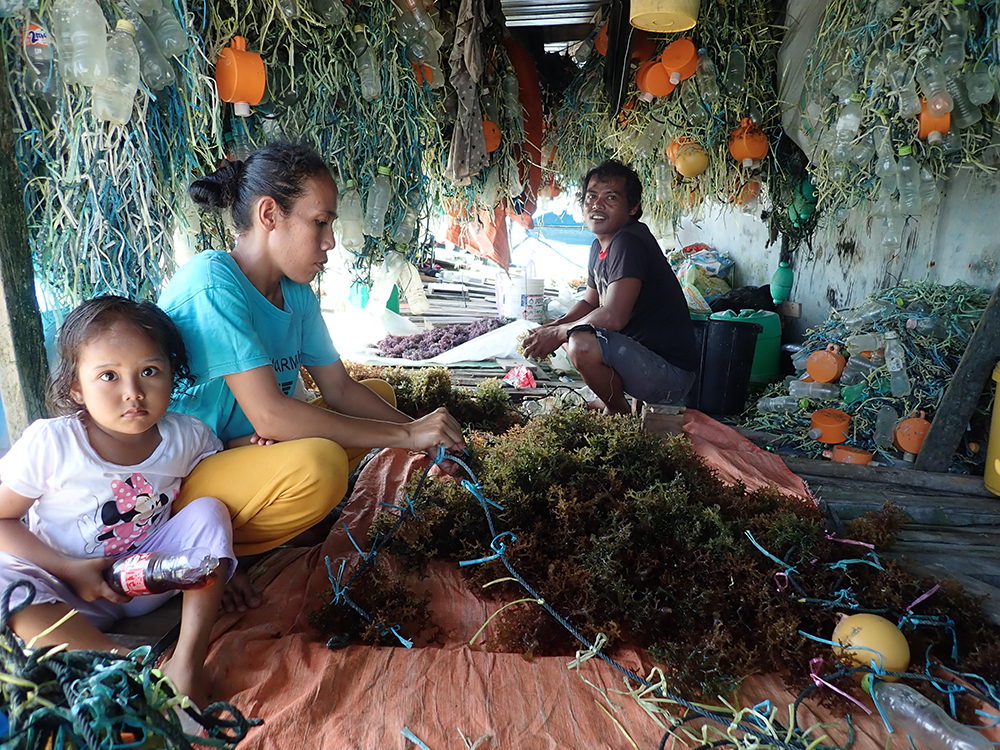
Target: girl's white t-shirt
{"points": [[89, 507]]}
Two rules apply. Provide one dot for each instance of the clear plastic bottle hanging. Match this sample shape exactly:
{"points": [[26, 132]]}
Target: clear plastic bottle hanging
{"points": [[331, 11], [157, 72], [979, 85], [114, 95], [964, 114], [954, 35], [930, 74], [89, 40], [846, 128], [379, 196], [41, 77], [707, 78], [350, 218], [289, 8], [168, 31], [908, 181], [371, 80], [144, 7], [895, 361], [696, 112], [930, 196], [886, 9], [863, 151], [406, 227], [892, 240], [62, 33], [650, 138], [906, 91], [885, 425], [736, 72], [662, 174]]}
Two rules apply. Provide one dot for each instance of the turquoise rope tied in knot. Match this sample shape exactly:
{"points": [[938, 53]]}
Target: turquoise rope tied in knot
{"points": [[338, 592], [498, 547], [476, 490], [842, 564]]}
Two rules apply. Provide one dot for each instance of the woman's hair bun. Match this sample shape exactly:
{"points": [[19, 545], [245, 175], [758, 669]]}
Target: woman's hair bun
{"points": [[219, 189]]}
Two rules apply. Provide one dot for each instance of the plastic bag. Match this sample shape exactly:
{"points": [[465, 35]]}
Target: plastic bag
{"points": [[520, 377], [695, 299], [711, 262], [711, 287]]}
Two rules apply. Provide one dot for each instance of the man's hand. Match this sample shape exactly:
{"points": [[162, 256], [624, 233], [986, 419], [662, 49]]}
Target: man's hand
{"points": [[86, 578], [542, 341]]}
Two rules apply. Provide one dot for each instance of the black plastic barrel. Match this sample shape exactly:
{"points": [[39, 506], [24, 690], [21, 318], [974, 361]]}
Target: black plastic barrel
{"points": [[726, 350]]}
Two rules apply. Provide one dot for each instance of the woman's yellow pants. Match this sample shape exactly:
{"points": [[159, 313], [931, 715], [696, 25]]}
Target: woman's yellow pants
{"points": [[276, 492]]}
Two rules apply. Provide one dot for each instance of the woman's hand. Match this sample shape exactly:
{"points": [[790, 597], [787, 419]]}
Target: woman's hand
{"points": [[86, 578], [437, 428]]}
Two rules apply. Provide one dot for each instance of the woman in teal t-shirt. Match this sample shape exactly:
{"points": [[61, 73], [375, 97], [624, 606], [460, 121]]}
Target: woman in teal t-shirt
{"points": [[249, 319]]}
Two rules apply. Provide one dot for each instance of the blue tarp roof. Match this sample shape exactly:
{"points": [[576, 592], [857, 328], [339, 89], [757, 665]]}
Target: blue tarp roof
{"points": [[562, 228]]}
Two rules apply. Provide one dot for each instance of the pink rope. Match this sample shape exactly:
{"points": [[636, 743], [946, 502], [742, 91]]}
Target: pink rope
{"points": [[832, 538], [815, 664], [781, 580], [920, 598]]}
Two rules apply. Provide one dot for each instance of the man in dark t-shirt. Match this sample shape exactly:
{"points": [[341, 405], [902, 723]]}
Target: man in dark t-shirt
{"points": [[631, 332]]}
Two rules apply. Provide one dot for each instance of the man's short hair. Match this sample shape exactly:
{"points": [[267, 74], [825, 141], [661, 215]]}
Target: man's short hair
{"points": [[613, 168]]}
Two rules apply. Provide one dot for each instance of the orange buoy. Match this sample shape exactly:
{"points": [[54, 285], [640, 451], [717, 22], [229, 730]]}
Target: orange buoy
{"points": [[643, 46], [492, 134], [910, 433], [848, 454], [932, 128], [826, 365], [680, 58], [829, 426], [746, 193], [653, 80], [601, 41], [748, 143], [240, 76]]}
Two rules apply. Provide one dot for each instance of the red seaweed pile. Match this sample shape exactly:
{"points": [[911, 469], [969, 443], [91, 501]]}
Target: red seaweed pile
{"points": [[436, 341]]}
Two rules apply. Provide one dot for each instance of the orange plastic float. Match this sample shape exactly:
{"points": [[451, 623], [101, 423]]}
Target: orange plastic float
{"points": [[827, 365], [240, 76], [653, 80], [746, 193], [829, 426], [910, 433], [601, 41], [932, 128], [643, 47], [748, 143], [680, 58], [691, 159], [422, 73], [848, 454], [492, 134]]}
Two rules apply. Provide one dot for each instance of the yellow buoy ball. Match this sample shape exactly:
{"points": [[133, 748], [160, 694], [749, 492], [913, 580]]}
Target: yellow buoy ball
{"points": [[691, 160], [868, 638]]}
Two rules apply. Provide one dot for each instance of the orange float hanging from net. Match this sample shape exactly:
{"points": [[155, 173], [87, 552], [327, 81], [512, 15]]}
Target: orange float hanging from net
{"points": [[643, 46], [240, 75], [653, 80], [932, 128], [680, 58], [492, 134], [827, 365], [748, 143]]}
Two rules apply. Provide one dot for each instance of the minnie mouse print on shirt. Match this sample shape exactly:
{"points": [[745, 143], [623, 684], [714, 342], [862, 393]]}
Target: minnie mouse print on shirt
{"points": [[127, 519]]}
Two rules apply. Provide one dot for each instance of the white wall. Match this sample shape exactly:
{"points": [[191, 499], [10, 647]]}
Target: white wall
{"points": [[960, 242]]}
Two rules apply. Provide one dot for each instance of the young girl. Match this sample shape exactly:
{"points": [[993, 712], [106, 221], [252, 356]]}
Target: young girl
{"points": [[98, 482]]}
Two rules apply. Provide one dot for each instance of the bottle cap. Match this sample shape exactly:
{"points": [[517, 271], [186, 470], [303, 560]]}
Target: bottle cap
{"points": [[815, 433], [934, 137], [125, 25], [349, 184], [905, 150], [358, 27], [675, 78], [384, 170], [857, 97], [783, 264], [241, 109]]}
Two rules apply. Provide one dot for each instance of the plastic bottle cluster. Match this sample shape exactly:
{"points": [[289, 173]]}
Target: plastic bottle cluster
{"points": [[359, 217], [80, 51], [944, 91]]}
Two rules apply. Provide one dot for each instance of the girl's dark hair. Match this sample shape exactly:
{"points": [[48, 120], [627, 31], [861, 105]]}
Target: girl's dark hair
{"points": [[94, 317], [279, 170], [611, 169]]}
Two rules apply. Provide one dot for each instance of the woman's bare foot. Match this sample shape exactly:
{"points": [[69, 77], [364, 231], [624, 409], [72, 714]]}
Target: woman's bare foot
{"points": [[240, 594]]}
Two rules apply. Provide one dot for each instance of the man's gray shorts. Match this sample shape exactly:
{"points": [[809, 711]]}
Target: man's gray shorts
{"points": [[645, 375]]}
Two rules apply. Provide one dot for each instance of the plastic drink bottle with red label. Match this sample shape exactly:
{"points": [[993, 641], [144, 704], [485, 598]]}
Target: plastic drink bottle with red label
{"points": [[156, 572]]}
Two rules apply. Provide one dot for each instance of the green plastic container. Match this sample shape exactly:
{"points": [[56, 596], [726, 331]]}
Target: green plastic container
{"points": [[766, 366]]}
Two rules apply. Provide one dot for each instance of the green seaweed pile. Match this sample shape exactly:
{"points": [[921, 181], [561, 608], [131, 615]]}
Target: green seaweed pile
{"points": [[419, 391], [631, 535]]}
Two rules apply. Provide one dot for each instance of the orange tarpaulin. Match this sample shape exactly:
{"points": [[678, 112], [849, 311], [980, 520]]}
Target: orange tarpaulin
{"points": [[272, 664]]}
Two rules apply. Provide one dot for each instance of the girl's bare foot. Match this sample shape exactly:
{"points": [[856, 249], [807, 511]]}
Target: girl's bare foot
{"points": [[188, 679], [240, 594]]}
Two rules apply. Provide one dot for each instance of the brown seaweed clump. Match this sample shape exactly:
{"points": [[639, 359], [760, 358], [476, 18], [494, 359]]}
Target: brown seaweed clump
{"points": [[632, 535]]}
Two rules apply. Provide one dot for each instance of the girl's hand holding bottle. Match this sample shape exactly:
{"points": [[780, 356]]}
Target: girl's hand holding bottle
{"points": [[86, 577]]}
